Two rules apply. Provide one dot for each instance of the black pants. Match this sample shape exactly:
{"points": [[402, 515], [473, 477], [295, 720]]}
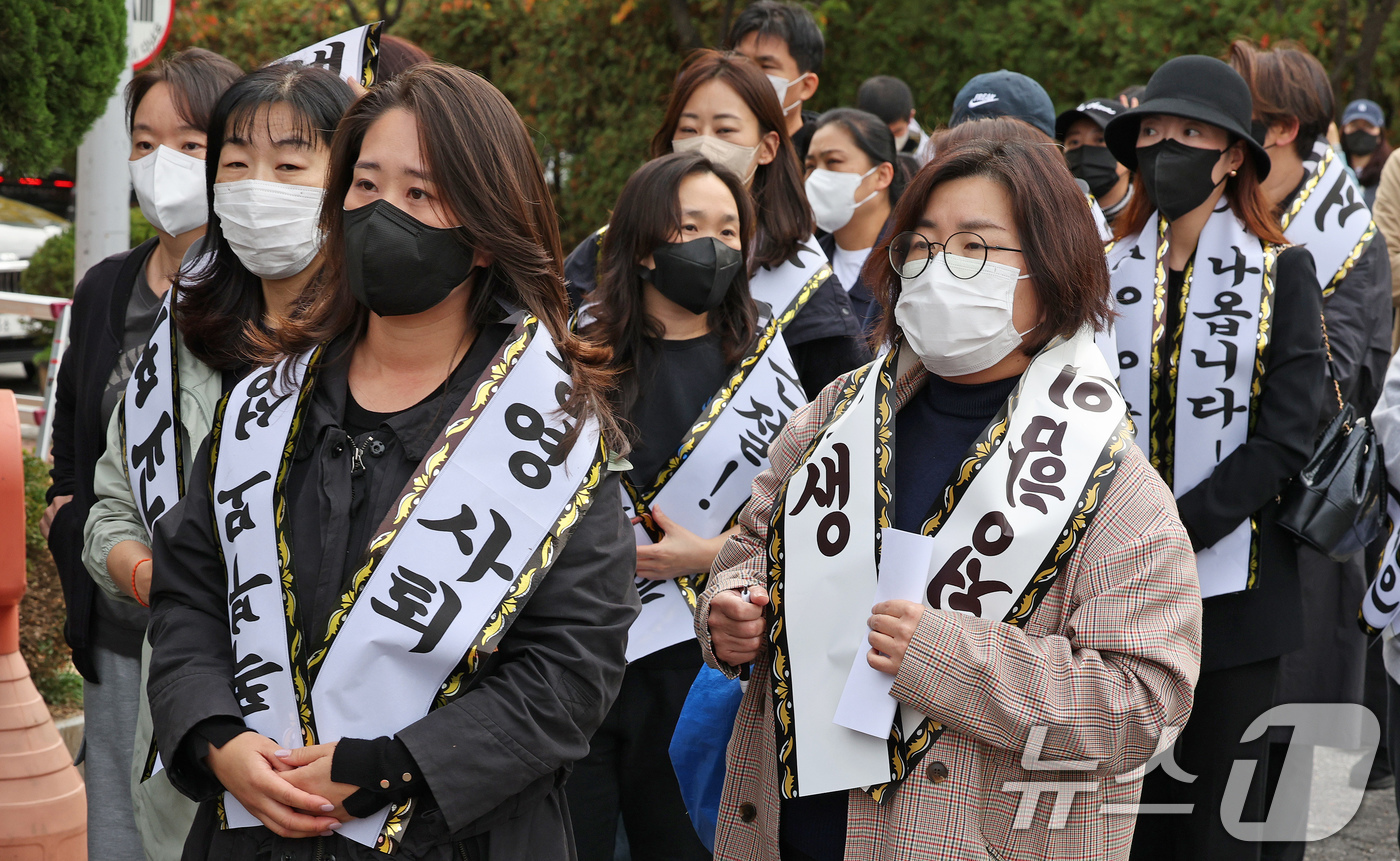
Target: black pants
{"points": [[628, 767], [1227, 702], [1390, 730]]}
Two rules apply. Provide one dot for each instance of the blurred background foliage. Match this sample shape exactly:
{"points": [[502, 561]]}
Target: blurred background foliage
{"points": [[590, 77]]}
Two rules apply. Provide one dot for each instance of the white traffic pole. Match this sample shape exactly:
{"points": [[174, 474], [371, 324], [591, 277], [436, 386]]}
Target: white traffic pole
{"points": [[103, 191]]}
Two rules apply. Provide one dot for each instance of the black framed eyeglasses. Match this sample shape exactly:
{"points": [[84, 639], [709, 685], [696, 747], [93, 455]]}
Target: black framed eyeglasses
{"points": [[965, 254]]}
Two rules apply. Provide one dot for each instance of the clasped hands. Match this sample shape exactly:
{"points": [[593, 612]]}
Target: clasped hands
{"points": [[289, 791], [737, 628]]}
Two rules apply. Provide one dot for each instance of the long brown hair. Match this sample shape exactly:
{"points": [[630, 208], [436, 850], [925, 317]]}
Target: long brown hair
{"points": [[489, 179], [647, 216], [1242, 191], [1059, 241], [785, 217]]}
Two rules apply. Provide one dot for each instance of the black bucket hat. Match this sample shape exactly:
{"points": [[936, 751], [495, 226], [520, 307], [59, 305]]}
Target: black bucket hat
{"points": [[1197, 88]]}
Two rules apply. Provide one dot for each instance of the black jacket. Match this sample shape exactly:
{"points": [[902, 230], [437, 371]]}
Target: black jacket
{"points": [[863, 303], [1267, 621], [825, 338], [495, 759], [1358, 325], [80, 433]]}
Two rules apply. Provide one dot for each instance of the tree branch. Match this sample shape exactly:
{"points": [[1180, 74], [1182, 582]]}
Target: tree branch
{"points": [[685, 28], [726, 21], [355, 14]]}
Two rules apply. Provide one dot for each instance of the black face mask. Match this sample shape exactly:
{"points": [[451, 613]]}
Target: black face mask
{"points": [[1361, 143], [695, 275], [1096, 166], [396, 264], [1176, 177]]}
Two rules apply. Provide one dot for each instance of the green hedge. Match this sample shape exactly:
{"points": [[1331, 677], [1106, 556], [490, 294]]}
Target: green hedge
{"points": [[590, 77]]}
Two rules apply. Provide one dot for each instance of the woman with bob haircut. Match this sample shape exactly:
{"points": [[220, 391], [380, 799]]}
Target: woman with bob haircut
{"points": [[265, 173], [723, 107], [1225, 374], [351, 656], [1033, 573], [115, 306]]}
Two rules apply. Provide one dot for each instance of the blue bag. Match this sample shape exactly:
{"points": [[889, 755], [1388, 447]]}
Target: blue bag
{"points": [[698, 746]]}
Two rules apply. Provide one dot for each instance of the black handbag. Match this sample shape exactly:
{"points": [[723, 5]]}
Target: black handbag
{"points": [[1337, 503]]}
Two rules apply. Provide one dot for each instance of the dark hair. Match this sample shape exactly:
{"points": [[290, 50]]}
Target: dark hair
{"points": [[874, 138], [887, 98], [1062, 249], [787, 21], [220, 303], [1246, 200], [647, 216], [397, 55], [489, 178], [1370, 175], [1286, 83], [784, 215], [197, 79]]}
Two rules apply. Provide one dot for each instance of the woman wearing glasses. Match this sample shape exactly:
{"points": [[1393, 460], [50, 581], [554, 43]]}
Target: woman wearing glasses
{"points": [[1023, 547], [1224, 374]]}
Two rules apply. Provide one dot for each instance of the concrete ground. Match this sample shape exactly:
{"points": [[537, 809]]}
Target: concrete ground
{"points": [[1371, 833]]}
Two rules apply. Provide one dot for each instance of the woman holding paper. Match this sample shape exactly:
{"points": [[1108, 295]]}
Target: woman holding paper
{"points": [[1048, 609], [391, 607], [265, 171], [706, 380]]}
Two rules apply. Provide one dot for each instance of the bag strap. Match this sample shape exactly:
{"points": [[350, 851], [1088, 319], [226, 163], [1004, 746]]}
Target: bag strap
{"points": [[1332, 365]]}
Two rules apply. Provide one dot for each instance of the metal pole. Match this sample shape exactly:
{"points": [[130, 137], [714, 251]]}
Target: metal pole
{"points": [[104, 186]]}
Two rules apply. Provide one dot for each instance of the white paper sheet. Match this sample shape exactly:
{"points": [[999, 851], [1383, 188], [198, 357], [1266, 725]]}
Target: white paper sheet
{"points": [[866, 705]]}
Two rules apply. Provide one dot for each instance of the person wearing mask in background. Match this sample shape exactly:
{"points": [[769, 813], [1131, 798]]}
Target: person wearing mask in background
{"points": [[1230, 428], [891, 100], [697, 358], [721, 107], [854, 180], [1010, 94], [429, 412], [397, 55], [1080, 131], [115, 306], [268, 149], [1293, 102], [1365, 144], [991, 290], [786, 43]]}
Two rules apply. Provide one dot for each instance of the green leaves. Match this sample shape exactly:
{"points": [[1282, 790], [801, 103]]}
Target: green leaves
{"points": [[61, 62]]}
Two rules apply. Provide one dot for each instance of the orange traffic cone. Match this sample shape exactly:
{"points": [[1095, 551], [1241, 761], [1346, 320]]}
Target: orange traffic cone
{"points": [[43, 808]]}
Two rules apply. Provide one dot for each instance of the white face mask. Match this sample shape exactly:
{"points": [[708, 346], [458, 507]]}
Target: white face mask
{"points": [[781, 86], [900, 141], [832, 194], [958, 326], [169, 186], [271, 226], [739, 159]]}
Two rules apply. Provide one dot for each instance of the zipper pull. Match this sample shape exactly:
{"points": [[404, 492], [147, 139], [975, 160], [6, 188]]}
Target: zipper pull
{"points": [[357, 463]]}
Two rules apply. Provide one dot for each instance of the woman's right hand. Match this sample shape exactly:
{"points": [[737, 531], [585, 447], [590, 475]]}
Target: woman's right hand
{"points": [[248, 767], [737, 626]]}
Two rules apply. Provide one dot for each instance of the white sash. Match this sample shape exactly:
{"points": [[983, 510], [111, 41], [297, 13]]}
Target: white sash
{"points": [[1329, 217], [474, 545], [1226, 324], [150, 423], [352, 54], [795, 279], [710, 478], [1381, 606], [1006, 526]]}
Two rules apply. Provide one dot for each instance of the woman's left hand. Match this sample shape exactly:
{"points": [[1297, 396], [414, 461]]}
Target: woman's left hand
{"points": [[891, 628], [678, 553], [311, 772]]}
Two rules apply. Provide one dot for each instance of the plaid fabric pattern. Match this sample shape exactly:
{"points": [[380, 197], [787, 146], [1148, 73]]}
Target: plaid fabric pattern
{"points": [[1107, 665]]}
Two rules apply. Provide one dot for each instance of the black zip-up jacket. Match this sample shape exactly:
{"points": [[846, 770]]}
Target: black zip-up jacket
{"points": [[80, 434], [494, 760]]}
